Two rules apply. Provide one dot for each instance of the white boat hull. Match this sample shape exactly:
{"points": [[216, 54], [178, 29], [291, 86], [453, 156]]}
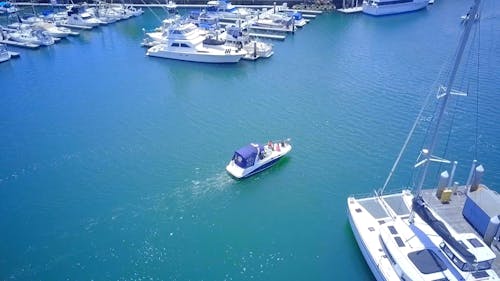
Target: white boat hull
{"points": [[4, 55], [366, 254], [238, 172], [381, 10], [198, 56]]}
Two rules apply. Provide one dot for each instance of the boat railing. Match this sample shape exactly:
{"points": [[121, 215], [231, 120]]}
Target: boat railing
{"points": [[375, 193]]}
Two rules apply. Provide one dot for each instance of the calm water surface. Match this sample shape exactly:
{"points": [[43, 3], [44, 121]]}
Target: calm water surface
{"points": [[112, 163]]}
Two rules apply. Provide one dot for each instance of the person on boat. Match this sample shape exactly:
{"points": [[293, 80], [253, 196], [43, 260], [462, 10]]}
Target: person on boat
{"points": [[270, 145]]}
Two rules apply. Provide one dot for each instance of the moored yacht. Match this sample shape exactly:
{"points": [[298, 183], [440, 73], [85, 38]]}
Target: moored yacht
{"points": [[238, 37], [30, 36], [77, 16], [4, 54], [402, 237], [390, 7], [53, 30], [226, 10], [184, 42]]}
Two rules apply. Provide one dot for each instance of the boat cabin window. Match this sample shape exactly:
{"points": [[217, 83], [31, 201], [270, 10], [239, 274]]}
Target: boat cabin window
{"points": [[427, 261], [184, 45], [484, 265], [242, 162], [175, 45]]}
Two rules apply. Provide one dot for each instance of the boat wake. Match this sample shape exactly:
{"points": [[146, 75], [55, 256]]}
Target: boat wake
{"points": [[219, 182]]}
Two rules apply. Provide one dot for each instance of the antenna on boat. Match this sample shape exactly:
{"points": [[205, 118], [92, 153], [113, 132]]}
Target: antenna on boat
{"points": [[444, 93]]}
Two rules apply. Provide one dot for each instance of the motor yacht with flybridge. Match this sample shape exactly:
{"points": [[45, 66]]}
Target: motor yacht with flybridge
{"points": [[183, 41]]}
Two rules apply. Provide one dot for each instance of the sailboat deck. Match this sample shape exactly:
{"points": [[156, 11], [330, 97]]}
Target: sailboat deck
{"points": [[452, 213]]}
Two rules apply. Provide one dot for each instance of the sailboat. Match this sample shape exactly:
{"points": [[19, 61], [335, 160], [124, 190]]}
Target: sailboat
{"points": [[402, 237]]}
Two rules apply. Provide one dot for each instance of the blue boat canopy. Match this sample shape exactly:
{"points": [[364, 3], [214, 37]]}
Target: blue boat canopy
{"points": [[245, 156]]}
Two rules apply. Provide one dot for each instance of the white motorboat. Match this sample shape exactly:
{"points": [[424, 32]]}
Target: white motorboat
{"points": [[103, 13], [390, 7], [238, 37], [402, 237], [255, 158], [77, 16], [273, 21], [53, 30], [159, 35], [4, 54], [226, 10], [31, 36], [134, 11], [184, 41]]}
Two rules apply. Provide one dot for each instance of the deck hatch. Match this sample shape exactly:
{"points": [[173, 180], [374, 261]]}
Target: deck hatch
{"points": [[427, 261], [392, 229]]}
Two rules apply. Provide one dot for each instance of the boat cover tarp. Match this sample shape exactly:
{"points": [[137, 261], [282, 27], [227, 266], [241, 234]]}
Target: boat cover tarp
{"points": [[441, 229], [247, 155]]}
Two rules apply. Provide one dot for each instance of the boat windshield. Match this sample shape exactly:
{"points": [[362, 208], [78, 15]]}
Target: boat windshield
{"points": [[483, 265], [242, 161], [245, 156]]}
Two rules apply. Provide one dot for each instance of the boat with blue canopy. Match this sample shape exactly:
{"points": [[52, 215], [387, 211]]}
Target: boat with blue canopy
{"points": [[255, 158]]}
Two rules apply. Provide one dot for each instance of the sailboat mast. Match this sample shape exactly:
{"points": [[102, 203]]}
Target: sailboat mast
{"points": [[472, 15]]}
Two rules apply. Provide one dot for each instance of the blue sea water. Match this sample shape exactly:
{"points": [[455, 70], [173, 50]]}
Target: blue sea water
{"points": [[112, 163]]}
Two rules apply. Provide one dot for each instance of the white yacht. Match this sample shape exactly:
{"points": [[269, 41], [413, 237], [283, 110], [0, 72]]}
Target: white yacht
{"points": [[31, 36], [159, 35], [53, 30], [273, 21], [390, 7], [240, 38], [226, 10], [4, 54], [184, 42], [402, 237], [77, 16], [255, 158]]}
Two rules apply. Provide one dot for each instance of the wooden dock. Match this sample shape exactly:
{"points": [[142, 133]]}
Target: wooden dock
{"points": [[267, 36], [314, 12], [452, 213], [75, 26], [271, 29]]}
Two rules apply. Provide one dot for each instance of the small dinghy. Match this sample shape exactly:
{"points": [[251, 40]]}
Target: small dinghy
{"points": [[254, 158]]}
